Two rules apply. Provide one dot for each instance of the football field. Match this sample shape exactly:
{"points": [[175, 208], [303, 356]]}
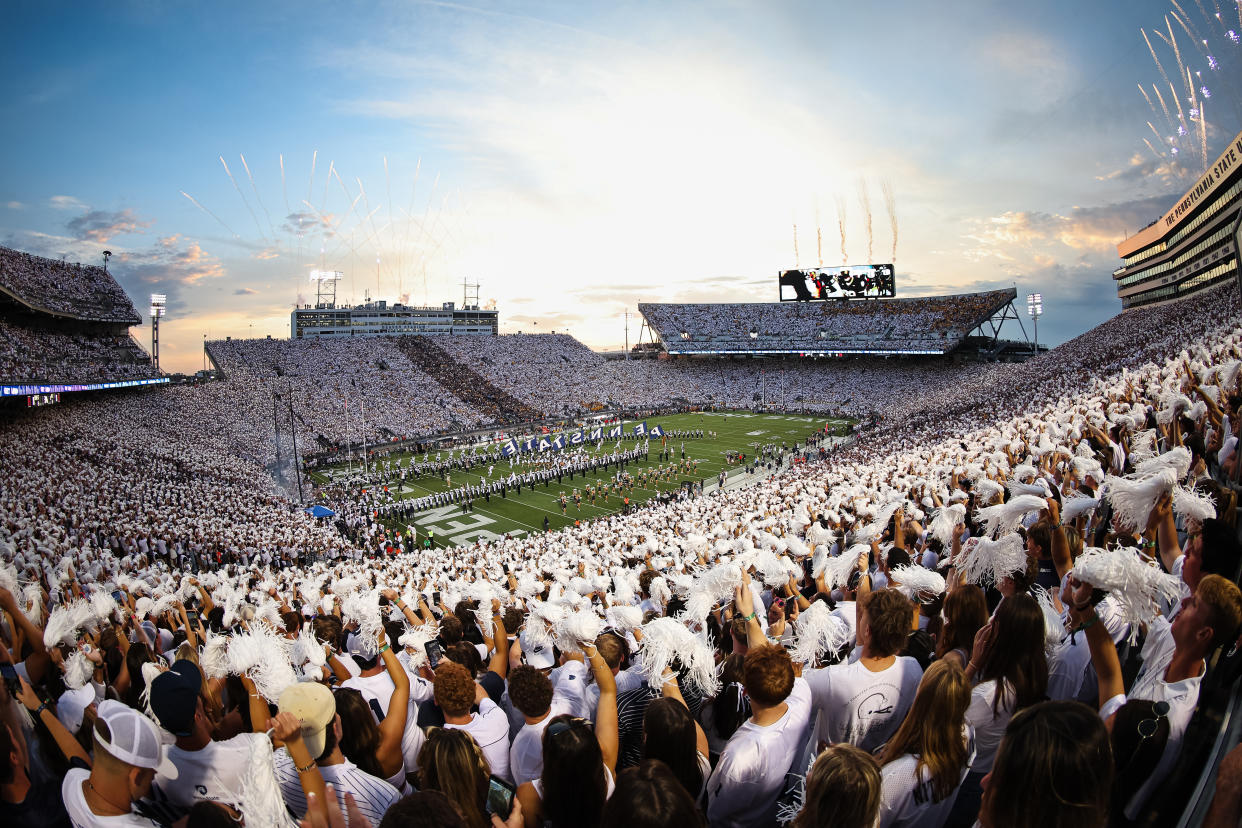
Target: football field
{"points": [[524, 513]]}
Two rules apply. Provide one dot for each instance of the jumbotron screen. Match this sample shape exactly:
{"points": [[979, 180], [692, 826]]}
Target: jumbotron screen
{"points": [[845, 282]]}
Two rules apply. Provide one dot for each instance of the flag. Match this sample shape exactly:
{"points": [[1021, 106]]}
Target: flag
{"points": [[615, 431], [528, 445], [641, 428], [546, 430], [656, 431], [596, 435], [509, 449], [559, 442], [577, 438], [544, 443]]}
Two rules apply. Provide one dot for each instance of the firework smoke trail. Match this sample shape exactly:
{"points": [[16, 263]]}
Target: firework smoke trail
{"points": [[1203, 134], [1150, 147], [258, 197], [1187, 23], [1146, 97], [1150, 48], [1164, 108], [391, 218], [327, 181], [890, 204], [797, 261], [845, 259], [1181, 116], [194, 201], [1159, 137], [1201, 44], [405, 237], [258, 226], [864, 201], [1177, 53]]}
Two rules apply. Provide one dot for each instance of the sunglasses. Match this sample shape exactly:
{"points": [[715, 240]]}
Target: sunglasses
{"points": [[1148, 727]]}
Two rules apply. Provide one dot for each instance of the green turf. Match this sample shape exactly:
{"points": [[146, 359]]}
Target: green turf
{"points": [[523, 514]]}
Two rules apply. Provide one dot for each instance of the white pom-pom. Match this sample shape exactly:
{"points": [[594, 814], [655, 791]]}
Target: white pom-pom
{"points": [[624, 617], [214, 660], [918, 583], [666, 640], [1054, 624], [986, 490], [945, 520], [577, 629], [659, 591], [1136, 586], [1132, 500], [78, 670], [837, 571], [1191, 504], [62, 627], [1004, 518], [1074, 507], [264, 656], [362, 608], [819, 633], [711, 587], [987, 561], [1178, 459]]}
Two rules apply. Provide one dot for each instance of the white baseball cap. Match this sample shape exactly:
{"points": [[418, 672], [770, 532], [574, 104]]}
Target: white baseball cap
{"points": [[132, 737]]}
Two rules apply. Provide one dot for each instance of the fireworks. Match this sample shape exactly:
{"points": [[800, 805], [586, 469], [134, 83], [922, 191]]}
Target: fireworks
{"points": [[1187, 125]]}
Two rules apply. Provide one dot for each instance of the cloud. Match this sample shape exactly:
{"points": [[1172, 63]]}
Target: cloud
{"points": [[245, 291], [64, 202], [15, 205], [102, 225], [1011, 235]]}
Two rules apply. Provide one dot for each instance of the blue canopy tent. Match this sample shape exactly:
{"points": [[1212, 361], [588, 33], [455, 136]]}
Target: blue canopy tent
{"points": [[320, 511]]}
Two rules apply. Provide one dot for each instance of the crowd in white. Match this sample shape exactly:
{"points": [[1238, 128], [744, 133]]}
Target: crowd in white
{"points": [[41, 355], [926, 323], [852, 642], [82, 291]]}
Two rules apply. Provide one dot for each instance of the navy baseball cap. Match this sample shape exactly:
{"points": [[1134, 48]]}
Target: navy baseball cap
{"points": [[174, 696]]}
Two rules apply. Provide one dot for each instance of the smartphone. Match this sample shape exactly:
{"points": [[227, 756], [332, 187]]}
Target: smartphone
{"points": [[505, 567], [116, 596], [435, 598], [12, 681], [434, 653], [192, 617], [499, 797]]}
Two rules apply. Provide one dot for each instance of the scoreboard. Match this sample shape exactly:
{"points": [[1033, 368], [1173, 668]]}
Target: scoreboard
{"points": [[844, 282]]}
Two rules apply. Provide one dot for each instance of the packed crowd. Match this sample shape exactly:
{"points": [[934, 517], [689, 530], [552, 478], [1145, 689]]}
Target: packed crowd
{"points": [[30, 354], [932, 323], [345, 390], [82, 291], [1024, 574]]}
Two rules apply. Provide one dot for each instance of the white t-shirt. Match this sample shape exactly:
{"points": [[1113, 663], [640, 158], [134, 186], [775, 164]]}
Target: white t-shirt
{"points": [[1067, 668], [751, 772], [861, 707], [490, 729], [216, 773], [379, 687], [81, 815], [526, 752], [906, 791], [989, 726], [1182, 697], [569, 683]]}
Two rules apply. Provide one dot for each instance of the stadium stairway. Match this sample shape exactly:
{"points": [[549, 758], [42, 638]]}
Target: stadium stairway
{"points": [[466, 383]]}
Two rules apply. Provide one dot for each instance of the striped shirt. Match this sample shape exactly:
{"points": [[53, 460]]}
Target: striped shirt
{"points": [[373, 795]]}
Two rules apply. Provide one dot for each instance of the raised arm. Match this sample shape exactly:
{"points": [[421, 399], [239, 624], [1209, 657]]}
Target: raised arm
{"points": [[745, 604], [1103, 651], [500, 658], [392, 729], [32, 633], [64, 739], [287, 730], [672, 690], [1060, 544], [606, 712]]}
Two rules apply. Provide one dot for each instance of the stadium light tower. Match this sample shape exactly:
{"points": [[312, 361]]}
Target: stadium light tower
{"points": [[1035, 307], [159, 304], [107, 254]]}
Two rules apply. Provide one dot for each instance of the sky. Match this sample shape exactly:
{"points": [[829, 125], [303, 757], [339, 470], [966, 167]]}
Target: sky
{"points": [[575, 159]]}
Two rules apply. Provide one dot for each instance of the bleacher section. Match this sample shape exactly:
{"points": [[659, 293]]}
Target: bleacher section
{"points": [[926, 325], [465, 382], [66, 289], [65, 327]]}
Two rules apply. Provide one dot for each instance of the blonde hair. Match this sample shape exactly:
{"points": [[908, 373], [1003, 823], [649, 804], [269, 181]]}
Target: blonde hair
{"points": [[842, 790], [452, 763], [932, 730]]}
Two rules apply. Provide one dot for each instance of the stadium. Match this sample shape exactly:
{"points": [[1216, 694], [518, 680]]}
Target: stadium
{"points": [[853, 556]]}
